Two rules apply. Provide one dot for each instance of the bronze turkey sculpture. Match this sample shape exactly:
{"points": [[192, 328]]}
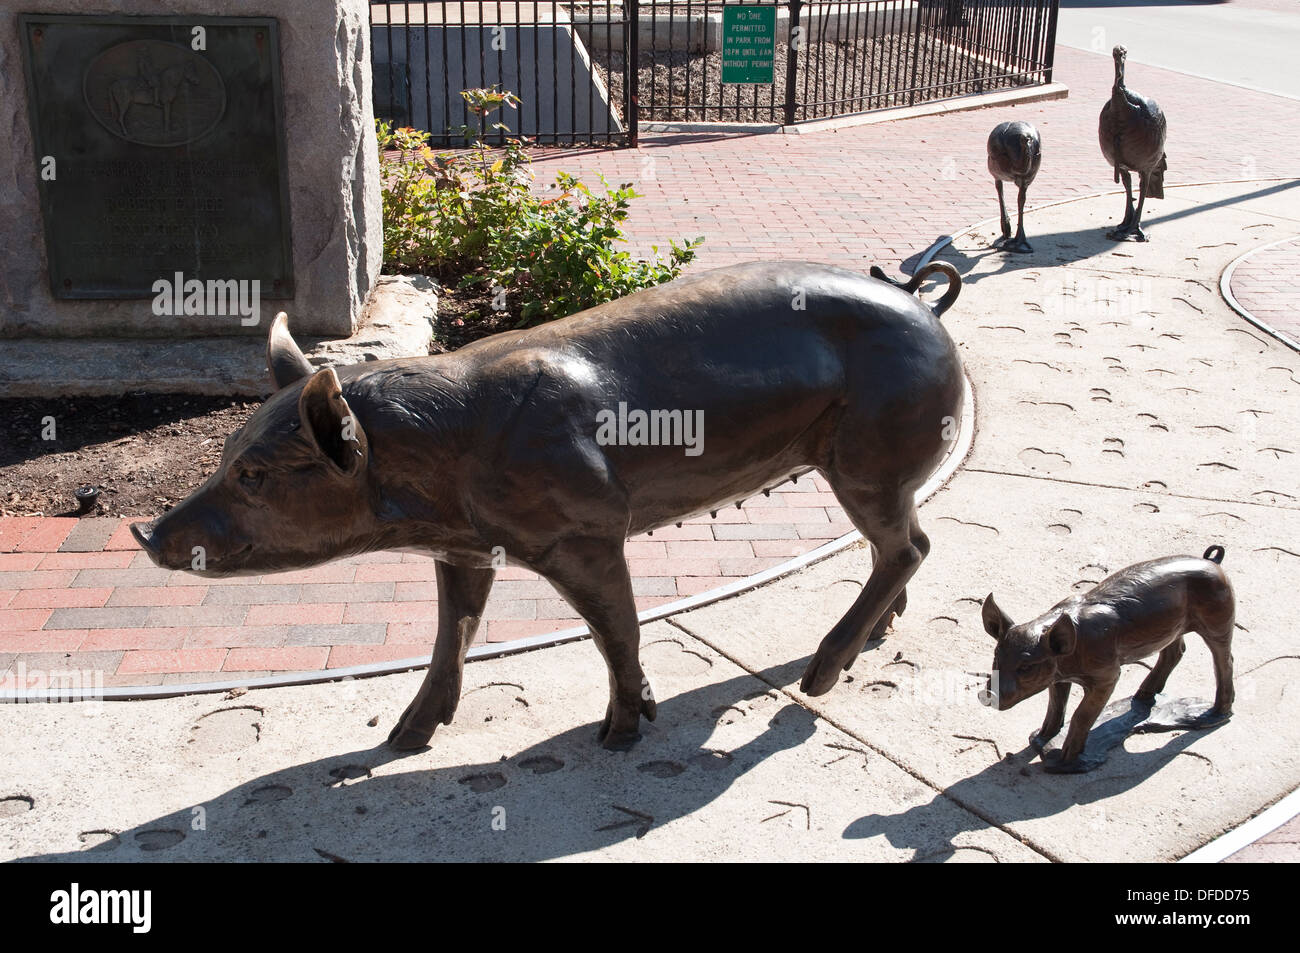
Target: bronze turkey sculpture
{"points": [[1015, 154], [1132, 134]]}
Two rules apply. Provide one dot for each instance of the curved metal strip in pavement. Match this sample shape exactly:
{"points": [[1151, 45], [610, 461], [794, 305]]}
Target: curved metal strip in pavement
{"points": [[1225, 288]]}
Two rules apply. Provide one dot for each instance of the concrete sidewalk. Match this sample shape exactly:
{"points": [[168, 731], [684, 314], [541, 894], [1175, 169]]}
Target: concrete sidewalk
{"points": [[1123, 412]]}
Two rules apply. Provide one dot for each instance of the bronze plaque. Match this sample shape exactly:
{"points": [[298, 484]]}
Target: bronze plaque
{"points": [[159, 152]]}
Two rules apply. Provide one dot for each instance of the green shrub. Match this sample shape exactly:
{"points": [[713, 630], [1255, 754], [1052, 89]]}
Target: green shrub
{"points": [[473, 219]]}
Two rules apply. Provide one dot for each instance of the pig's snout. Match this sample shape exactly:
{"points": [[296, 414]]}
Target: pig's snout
{"points": [[143, 533], [151, 541]]}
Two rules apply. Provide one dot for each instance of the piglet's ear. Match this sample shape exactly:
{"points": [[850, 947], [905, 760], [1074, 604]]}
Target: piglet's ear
{"points": [[996, 622], [1062, 637], [328, 422]]}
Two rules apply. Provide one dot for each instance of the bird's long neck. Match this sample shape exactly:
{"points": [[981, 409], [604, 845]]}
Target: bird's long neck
{"points": [[1118, 94]]}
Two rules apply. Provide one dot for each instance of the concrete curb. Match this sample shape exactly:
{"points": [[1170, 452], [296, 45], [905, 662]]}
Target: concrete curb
{"points": [[1225, 288], [1031, 94]]}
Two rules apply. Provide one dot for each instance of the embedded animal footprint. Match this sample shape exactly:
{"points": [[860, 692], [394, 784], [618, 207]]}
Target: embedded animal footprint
{"points": [[158, 838], [711, 760], [671, 657], [348, 772], [484, 782], [226, 730], [16, 804], [270, 792], [541, 764], [100, 840], [880, 689], [1045, 461], [661, 769], [495, 699]]}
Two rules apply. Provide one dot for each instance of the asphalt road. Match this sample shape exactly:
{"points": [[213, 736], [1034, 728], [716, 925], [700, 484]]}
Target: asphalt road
{"points": [[1230, 42]]}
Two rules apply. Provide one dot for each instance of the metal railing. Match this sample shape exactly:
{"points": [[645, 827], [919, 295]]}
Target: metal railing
{"points": [[589, 70], [424, 52]]}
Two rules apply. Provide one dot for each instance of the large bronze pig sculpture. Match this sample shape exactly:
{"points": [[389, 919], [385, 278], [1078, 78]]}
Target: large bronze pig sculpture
{"points": [[504, 447]]}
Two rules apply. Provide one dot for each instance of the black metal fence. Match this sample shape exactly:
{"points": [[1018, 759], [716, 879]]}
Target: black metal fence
{"points": [[425, 52], [589, 70]]}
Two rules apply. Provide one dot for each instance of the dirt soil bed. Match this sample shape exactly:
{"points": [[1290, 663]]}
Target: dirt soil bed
{"points": [[146, 452]]}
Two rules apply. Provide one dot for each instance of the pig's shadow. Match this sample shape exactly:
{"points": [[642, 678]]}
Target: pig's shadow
{"points": [[561, 797], [1017, 788]]}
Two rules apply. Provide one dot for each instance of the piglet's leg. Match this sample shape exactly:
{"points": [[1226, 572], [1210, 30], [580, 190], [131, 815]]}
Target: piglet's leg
{"points": [[1154, 683], [592, 576], [1095, 698], [1057, 696], [462, 594]]}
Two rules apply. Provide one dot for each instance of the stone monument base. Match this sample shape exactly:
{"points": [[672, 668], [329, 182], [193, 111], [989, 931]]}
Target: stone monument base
{"points": [[397, 322]]}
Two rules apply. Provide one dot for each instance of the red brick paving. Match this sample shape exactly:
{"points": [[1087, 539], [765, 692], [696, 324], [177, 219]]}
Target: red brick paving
{"points": [[77, 594], [113, 612], [1265, 285]]}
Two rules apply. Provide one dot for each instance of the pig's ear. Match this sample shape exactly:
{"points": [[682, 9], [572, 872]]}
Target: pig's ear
{"points": [[1062, 636], [283, 359], [996, 622], [327, 420]]}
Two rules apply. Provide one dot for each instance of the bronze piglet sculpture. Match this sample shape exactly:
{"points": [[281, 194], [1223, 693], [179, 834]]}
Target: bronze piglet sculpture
{"points": [[507, 450], [1084, 640]]}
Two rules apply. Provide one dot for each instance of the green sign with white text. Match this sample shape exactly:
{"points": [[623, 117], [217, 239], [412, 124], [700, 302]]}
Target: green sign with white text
{"points": [[748, 44]]}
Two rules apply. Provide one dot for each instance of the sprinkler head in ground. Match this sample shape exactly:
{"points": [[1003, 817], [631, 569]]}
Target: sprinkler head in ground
{"points": [[87, 497]]}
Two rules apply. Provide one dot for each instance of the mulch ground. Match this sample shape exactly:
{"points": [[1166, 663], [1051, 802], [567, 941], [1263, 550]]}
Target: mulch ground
{"points": [[680, 86]]}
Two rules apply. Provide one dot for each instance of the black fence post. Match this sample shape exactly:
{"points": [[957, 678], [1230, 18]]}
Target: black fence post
{"points": [[1050, 60], [632, 67], [792, 60]]}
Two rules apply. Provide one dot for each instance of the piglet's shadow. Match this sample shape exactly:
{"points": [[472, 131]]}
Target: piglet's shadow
{"points": [[1125, 717], [1017, 788]]}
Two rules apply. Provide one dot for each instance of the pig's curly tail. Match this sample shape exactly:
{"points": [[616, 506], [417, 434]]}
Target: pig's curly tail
{"points": [[1214, 554], [941, 267]]}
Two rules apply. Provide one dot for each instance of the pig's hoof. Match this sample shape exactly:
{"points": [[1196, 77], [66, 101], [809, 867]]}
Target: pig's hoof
{"points": [[620, 740], [1077, 766], [821, 675], [621, 737], [1038, 741], [409, 739]]}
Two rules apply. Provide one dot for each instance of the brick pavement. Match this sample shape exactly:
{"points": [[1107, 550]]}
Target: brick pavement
{"points": [[78, 595], [1265, 285]]}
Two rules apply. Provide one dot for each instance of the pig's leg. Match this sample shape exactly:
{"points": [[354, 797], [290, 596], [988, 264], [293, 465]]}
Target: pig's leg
{"points": [[1154, 683], [892, 527], [1057, 696], [1220, 646], [1095, 697], [884, 622], [592, 576], [462, 594]]}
